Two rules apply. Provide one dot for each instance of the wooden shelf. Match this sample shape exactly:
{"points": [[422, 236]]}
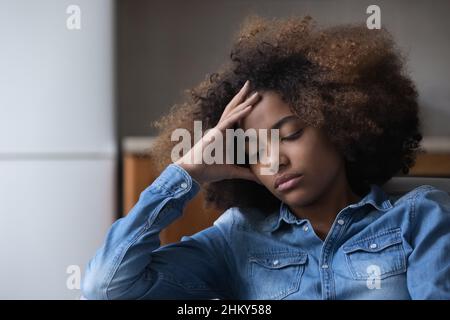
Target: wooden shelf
{"points": [[433, 165]]}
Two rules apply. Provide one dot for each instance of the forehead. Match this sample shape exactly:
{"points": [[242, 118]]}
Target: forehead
{"points": [[266, 112]]}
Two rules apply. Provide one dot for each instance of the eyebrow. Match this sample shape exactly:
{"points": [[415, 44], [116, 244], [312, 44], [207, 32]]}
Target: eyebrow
{"points": [[282, 121]]}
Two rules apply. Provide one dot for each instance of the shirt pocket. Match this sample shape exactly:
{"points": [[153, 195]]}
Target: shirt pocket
{"points": [[380, 256], [274, 275]]}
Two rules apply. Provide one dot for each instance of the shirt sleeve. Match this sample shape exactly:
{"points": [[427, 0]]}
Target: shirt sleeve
{"points": [[132, 265], [428, 274]]}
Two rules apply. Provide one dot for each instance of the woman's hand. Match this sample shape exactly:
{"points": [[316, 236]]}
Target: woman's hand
{"points": [[239, 107]]}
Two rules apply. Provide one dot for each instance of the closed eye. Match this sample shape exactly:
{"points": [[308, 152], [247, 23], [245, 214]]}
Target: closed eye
{"points": [[293, 136]]}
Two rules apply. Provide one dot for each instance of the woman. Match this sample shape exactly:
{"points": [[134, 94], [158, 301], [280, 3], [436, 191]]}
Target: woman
{"points": [[318, 228]]}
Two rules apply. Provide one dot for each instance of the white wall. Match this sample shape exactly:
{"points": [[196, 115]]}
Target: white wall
{"points": [[57, 149]]}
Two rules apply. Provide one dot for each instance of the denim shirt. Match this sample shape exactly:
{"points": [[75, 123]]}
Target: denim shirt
{"points": [[378, 248]]}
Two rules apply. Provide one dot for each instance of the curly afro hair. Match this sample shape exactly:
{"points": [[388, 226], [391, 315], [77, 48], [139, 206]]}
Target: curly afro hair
{"points": [[348, 80]]}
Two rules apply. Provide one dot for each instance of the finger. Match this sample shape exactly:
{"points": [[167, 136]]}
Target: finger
{"points": [[232, 119], [241, 94], [238, 98], [211, 135], [250, 101]]}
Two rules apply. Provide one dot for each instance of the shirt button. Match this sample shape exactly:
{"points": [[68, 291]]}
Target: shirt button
{"points": [[373, 246], [324, 266], [184, 185], [305, 228], [275, 262], [340, 222]]}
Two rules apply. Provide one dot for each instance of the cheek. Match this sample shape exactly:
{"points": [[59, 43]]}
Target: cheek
{"points": [[314, 156], [323, 162]]}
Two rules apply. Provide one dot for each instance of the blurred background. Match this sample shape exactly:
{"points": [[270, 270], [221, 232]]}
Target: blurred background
{"points": [[80, 83]]}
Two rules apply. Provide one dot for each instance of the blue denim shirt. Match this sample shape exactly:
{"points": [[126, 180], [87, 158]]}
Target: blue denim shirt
{"points": [[378, 248]]}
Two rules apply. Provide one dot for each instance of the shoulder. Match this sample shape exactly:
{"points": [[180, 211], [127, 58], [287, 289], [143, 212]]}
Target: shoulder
{"points": [[425, 199], [421, 192]]}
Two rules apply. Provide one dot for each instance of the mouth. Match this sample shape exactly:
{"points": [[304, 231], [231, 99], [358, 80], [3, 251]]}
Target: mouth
{"points": [[287, 181]]}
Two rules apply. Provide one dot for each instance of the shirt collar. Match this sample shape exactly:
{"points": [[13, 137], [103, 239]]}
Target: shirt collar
{"points": [[375, 197]]}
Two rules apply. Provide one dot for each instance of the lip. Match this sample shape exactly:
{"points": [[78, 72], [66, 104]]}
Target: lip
{"points": [[287, 181]]}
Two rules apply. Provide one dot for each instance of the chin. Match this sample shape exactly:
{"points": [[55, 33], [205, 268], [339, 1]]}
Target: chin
{"points": [[296, 198]]}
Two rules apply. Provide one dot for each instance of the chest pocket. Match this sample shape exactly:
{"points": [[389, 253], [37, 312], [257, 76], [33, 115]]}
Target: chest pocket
{"points": [[274, 275], [380, 256]]}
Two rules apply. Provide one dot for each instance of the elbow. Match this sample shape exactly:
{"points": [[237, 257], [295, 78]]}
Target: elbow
{"points": [[94, 286]]}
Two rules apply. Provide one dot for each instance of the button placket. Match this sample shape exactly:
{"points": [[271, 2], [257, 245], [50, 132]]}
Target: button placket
{"points": [[327, 256]]}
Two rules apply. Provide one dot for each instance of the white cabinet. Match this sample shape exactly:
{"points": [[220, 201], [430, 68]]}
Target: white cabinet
{"points": [[53, 214], [57, 143]]}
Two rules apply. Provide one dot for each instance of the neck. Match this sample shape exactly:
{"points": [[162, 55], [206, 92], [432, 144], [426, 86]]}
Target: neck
{"points": [[323, 211]]}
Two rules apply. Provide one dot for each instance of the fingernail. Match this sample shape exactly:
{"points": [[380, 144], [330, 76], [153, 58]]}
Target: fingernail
{"points": [[254, 94], [246, 83]]}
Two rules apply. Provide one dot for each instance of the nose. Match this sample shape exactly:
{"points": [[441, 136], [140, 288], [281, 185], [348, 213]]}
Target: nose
{"points": [[274, 159], [282, 164], [283, 160]]}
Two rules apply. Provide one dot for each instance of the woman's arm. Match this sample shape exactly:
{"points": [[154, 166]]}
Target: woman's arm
{"points": [[428, 272], [132, 265]]}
